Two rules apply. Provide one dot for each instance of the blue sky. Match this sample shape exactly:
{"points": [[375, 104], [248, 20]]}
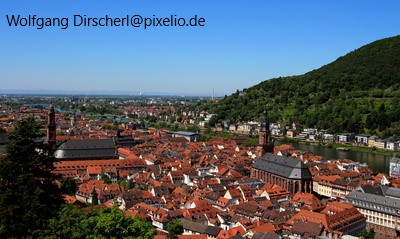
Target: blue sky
{"points": [[241, 44]]}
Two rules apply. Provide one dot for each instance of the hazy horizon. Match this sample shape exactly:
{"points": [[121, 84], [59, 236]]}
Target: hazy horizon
{"points": [[103, 92]]}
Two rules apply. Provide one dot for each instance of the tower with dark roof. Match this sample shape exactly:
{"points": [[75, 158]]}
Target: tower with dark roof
{"points": [[265, 144], [51, 129]]}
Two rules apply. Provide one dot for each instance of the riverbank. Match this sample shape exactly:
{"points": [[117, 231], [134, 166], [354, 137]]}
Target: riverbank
{"points": [[378, 162], [377, 159], [254, 141], [371, 150]]}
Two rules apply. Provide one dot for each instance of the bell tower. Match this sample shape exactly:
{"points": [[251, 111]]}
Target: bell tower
{"points": [[73, 120], [265, 144], [51, 130]]}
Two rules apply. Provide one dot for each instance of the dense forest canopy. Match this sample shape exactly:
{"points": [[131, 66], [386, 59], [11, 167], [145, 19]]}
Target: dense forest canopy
{"points": [[359, 92]]}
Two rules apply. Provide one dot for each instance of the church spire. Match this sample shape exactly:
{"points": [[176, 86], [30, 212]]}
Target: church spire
{"points": [[265, 123], [51, 129], [265, 144]]}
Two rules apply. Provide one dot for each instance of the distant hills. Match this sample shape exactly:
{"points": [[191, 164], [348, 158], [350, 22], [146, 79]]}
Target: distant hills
{"points": [[359, 92]]}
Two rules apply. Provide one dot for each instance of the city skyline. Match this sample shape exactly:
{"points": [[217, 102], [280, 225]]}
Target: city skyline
{"points": [[241, 44]]}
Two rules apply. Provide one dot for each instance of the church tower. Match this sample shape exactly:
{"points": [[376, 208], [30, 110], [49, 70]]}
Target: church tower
{"points": [[51, 130], [265, 144], [73, 120]]}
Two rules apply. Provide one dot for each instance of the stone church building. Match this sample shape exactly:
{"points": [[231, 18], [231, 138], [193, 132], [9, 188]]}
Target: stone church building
{"points": [[289, 173]]}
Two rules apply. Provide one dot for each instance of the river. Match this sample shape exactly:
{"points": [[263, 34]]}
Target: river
{"points": [[378, 163], [45, 106]]}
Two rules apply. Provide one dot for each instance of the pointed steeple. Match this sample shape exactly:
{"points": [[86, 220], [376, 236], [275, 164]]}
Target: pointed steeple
{"points": [[51, 129], [265, 144], [265, 122]]}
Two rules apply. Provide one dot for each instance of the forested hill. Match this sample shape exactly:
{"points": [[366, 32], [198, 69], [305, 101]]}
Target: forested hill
{"points": [[359, 92]]}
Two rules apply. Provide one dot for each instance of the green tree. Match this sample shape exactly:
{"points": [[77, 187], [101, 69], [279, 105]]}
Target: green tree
{"points": [[213, 121], [151, 118], [82, 108], [320, 138], [354, 125], [28, 195], [112, 223], [367, 234], [250, 142], [68, 186], [104, 223], [95, 199], [105, 178], [68, 224], [382, 118], [193, 128], [126, 183], [174, 228]]}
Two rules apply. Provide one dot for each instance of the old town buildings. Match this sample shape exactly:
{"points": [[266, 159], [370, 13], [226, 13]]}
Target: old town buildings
{"points": [[218, 188], [381, 206]]}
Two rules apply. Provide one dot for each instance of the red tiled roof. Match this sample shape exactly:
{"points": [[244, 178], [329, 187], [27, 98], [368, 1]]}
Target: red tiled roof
{"points": [[309, 200], [84, 164], [308, 216], [225, 234], [94, 170], [330, 178], [103, 190], [267, 227]]}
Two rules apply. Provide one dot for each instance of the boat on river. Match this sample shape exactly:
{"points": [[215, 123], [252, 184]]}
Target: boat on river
{"points": [[343, 149]]}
